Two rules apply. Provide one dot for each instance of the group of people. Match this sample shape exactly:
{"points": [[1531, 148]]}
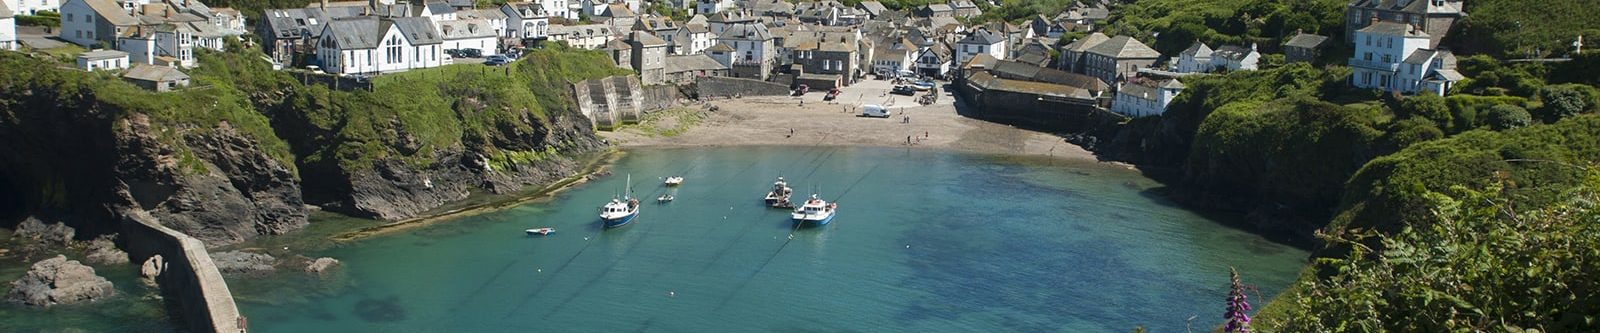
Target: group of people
{"points": [[912, 140]]}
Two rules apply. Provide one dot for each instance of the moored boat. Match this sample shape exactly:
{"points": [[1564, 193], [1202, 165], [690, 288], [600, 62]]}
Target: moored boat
{"points": [[778, 197], [673, 181], [620, 211], [815, 211], [540, 231]]}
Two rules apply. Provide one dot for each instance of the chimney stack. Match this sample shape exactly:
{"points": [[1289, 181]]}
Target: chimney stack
{"points": [[324, 4]]}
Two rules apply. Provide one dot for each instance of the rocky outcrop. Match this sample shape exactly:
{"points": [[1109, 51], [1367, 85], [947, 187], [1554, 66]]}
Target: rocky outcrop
{"points": [[322, 265], [59, 281], [239, 262], [103, 251], [35, 231]]}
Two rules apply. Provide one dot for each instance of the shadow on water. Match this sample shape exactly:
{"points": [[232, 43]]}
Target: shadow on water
{"points": [[1164, 195], [380, 310]]}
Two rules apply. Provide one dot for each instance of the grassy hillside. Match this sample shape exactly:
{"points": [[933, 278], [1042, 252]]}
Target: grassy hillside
{"points": [[1516, 28], [1236, 22]]}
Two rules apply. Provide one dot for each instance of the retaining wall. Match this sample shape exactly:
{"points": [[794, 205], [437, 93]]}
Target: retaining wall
{"points": [[187, 277], [659, 97], [728, 86]]}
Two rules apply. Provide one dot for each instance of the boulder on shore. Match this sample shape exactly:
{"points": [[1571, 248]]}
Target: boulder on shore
{"points": [[104, 251], [322, 265], [243, 262], [53, 234], [59, 281]]}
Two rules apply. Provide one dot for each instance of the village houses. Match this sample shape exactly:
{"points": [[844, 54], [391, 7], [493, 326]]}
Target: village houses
{"points": [[1400, 57]]}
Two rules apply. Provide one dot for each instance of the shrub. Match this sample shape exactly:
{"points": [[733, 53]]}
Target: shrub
{"points": [[1561, 102], [1427, 106], [1503, 117]]}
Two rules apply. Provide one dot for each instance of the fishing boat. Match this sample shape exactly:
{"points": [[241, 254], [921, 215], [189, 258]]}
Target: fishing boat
{"points": [[622, 210], [664, 198], [815, 211], [673, 181], [540, 231], [779, 196]]}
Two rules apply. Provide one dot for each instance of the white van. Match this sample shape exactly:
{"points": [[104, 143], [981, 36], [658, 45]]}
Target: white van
{"points": [[874, 110]]}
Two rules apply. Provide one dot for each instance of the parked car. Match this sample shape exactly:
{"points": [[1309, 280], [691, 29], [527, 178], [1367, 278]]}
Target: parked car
{"points": [[802, 90], [903, 90], [497, 60], [469, 53]]}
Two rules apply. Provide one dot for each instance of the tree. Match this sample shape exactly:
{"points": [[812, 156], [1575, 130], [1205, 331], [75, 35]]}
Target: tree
{"points": [[1505, 116], [1428, 106], [1560, 102]]}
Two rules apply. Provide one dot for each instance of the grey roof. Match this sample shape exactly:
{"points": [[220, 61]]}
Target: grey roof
{"points": [[1449, 74], [693, 62], [1124, 47], [1090, 41], [1034, 58], [4, 11], [1139, 91], [982, 36], [873, 7], [526, 10], [463, 29], [1172, 84], [1393, 29], [1233, 52], [618, 10], [102, 54], [463, 3], [1308, 41], [938, 7], [698, 19], [354, 33], [111, 12], [645, 39], [581, 30], [617, 44], [1198, 50], [154, 73], [486, 14], [1409, 6], [747, 31], [720, 47], [440, 8], [962, 4], [419, 30]]}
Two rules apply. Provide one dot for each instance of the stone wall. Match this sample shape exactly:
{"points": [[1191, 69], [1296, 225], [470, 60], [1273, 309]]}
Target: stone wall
{"points": [[712, 87], [659, 97], [1045, 113], [610, 101], [187, 276]]}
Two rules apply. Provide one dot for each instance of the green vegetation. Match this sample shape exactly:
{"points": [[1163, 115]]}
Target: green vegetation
{"points": [[1515, 28], [1484, 260], [415, 114], [44, 19], [195, 110], [1225, 22], [683, 119]]}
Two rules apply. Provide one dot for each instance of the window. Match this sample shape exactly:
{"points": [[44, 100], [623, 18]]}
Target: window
{"points": [[69, 17], [1369, 40], [1367, 57], [1387, 59]]}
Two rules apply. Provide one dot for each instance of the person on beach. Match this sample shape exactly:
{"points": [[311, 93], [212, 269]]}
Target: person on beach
{"points": [[908, 140]]}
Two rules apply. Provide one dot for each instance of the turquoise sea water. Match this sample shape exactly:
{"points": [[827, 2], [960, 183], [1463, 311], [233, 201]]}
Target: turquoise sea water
{"points": [[925, 241]]}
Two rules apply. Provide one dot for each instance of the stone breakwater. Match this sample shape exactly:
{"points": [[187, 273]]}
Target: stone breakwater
{"points": [[184, 272]]}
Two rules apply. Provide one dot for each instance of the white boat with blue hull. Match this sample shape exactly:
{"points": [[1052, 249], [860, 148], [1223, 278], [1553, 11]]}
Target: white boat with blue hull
{"points": [[620, 211], [815, 211]]}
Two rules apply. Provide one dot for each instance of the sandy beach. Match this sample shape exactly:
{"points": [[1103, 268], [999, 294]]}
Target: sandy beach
{"points": [[768, 120]]}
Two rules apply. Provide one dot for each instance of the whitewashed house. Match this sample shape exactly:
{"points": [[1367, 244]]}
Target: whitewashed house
{"points": [[470, 34], [559, 8], [8, 29], [934, 60], [891, 60], [1195, 59], [588, 36], [708, 7], [140, 45], [497, 19], [526, 20], [436, 11], [1143, 99], [374, 45], [689, 39], [99, 60], [1395, 57], [31, 7], [755, 52], [228, 19], [1236, 58], [980, 41], [91, 22]]}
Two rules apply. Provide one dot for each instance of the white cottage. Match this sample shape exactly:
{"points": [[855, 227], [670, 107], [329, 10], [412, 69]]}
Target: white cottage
{"points": [[31, 7], [1145, 99], [470, 34], [8, 29], [98, 60], [1393, 56], [526, 20], [981, 41], [374, 45]]}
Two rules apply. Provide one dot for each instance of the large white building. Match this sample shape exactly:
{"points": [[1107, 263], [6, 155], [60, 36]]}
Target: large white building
{"points": [[980, 41], [1395, 57], [377, 45], [31, 7], [470, 34], [1143, 99], [526, 20], [8, 29]]}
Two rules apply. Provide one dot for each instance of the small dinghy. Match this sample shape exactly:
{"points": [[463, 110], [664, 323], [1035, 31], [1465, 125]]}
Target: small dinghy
{"points": [[664, 198], [674, 181], [540, 231]]}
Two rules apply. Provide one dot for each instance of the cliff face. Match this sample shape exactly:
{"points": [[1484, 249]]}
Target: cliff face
{"points": [[67, 154]]}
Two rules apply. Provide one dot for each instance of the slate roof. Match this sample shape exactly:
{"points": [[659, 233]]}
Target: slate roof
{"points": [[1198, 50], [586, 30], [463, 29], [982, 36], [1449, 74], [439, 8], [1233, 52], [102, 54], [526, 10], [419, 30], [354, 33], [747, 31], [1124, 47], [646, 39], [1389, 28], [617, 44], [983, 60], [1083, 44], [111, 12], [938, 7], [693, 62], [154, 73], [990, 82], [1034, 58], [486, 14], [873, 7], [655, 23], [4, 11], [618, 10], [1139, 91], [1308, 41], [720, 47]]}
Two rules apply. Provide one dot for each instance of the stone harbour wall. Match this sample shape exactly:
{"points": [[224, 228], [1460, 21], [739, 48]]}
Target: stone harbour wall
{"points": [[185, 274]]}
